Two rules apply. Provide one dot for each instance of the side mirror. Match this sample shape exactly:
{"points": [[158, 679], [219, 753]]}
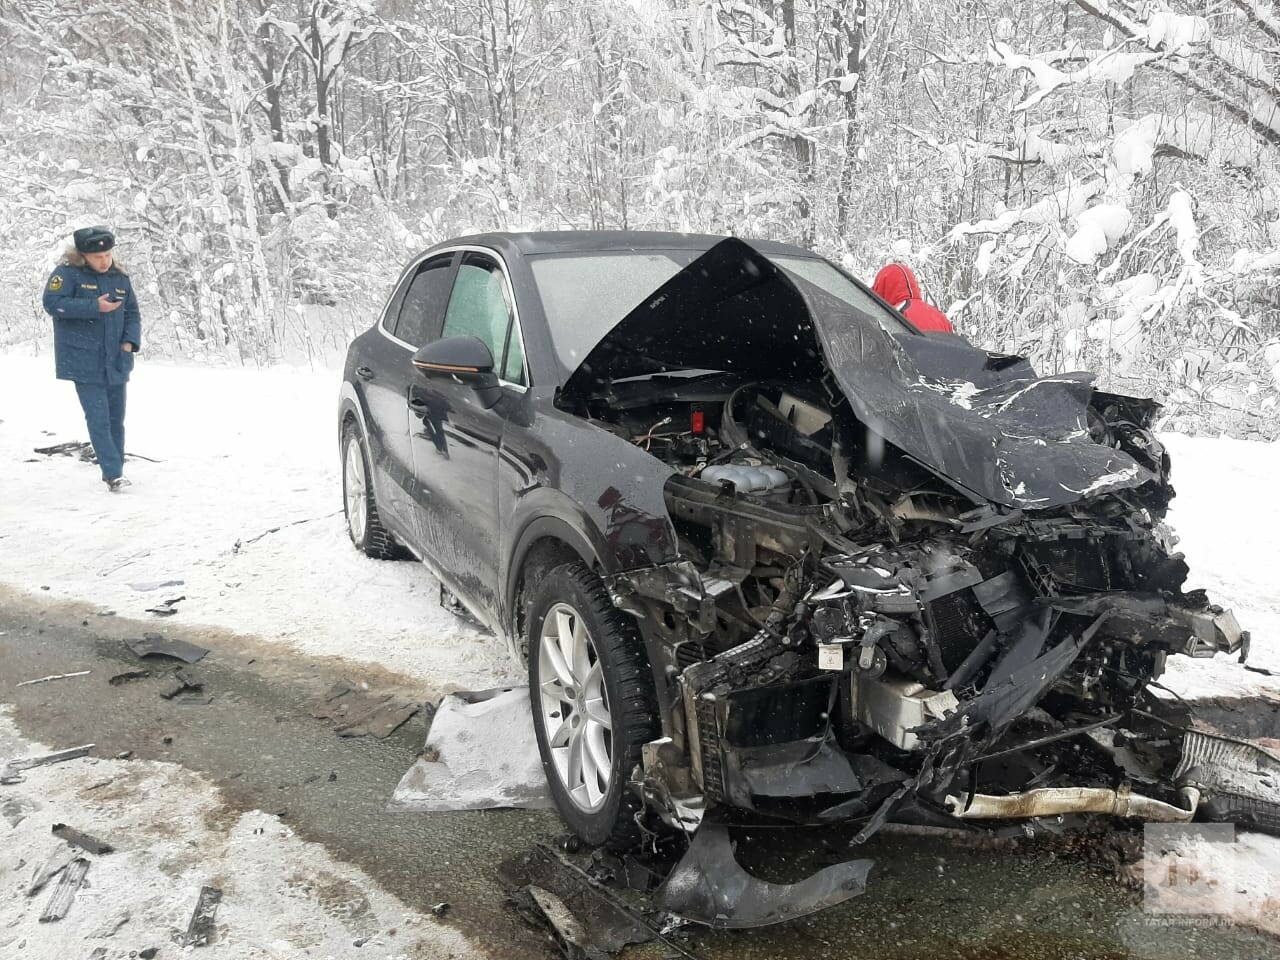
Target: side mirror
{"points": [[464, 359]]}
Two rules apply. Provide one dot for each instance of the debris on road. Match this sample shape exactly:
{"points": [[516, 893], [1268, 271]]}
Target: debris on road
{"points": [[440, 909], [155, 645], [65, 892], [82, 840], [177, 682], [8, 773], [586, 920], [166, 608], [200, 929], [57, 862], [80, 449], [122, 678], [357, 712], [54, 676], [708, 886], [149, 585], [480, 754]]}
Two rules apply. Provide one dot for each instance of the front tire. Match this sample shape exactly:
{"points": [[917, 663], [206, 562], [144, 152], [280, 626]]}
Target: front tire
{"points": [[364, 526], [593, 702]]}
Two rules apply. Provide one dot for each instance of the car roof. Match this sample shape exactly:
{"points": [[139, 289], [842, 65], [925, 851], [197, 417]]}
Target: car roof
{"points": [[533, 243]]}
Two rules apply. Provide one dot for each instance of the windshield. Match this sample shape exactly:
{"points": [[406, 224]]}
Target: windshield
{"points": [[586, 295]]}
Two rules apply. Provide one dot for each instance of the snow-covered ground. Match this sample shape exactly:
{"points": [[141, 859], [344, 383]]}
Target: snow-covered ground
{"points": [[244, 451], [282, 897], [240, 452], [1228, 518]]}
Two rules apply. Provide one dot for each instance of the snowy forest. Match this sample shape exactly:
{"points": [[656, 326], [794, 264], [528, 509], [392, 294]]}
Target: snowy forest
{"points": [[1092, 183]]}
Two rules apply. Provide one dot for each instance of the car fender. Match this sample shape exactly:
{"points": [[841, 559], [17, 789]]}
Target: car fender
{"points": [[349, 403], [544, 514]]}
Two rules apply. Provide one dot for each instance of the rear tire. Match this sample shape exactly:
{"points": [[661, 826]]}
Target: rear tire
{"points": [[364, 526], [593, 701]]}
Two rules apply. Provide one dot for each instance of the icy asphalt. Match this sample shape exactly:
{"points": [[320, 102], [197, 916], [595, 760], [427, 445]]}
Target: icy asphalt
{"points": [[257, 741]]}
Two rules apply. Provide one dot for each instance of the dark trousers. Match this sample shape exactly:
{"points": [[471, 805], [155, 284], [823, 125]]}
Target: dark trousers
{"points": [[103, 406]]}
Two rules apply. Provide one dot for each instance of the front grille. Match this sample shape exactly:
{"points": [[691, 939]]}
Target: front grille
{"points": [[709, 747], [1075, 566], [688, 653]]}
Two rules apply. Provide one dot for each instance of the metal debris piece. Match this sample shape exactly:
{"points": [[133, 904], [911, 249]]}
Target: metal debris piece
{"points": [[148, 586], [200, 929], [58, 860], [72, 448], [155, 645], [359, 713], [440, 909], [8, 773], [82, 840], [167, 608], [65, 892], [611, 923], [569, 932], [177, 682], [123, 678], [708, 886], [54, 676]]}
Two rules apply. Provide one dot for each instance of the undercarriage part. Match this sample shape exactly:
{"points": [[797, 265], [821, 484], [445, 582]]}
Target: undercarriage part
{"points": [[1241, 780], [709, 886], [1057, 801]]}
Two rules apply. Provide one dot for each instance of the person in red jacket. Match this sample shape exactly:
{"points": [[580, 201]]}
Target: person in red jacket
{"points": [[897, 285]]}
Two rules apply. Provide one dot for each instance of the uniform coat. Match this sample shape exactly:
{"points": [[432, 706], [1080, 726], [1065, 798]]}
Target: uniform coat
{"points": [[86, 341]]}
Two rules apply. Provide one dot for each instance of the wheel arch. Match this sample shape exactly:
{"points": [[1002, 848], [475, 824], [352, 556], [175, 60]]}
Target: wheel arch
{"points": [[546, 542], [350, 410]]}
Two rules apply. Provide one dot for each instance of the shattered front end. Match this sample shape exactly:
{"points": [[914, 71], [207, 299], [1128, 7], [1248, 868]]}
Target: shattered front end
{"points": [[913, 598]]}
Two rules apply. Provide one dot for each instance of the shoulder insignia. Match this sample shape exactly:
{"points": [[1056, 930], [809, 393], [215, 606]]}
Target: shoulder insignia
{"points": [[55, 282]]}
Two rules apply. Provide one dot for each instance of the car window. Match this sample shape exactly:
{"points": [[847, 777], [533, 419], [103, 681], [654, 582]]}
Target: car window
{"points": [[479, 308], [619, 282], [830, 280], [419, 318]]}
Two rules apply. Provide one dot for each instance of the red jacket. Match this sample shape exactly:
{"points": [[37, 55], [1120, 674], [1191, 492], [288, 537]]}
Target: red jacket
{"points": [[896, 284]]}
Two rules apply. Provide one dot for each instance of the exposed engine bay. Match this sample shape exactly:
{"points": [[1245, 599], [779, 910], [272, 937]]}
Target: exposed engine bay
{"points": [[949, 604]]}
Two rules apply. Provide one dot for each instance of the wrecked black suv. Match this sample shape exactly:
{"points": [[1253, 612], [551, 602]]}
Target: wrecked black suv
{"points": [[765, 547]]}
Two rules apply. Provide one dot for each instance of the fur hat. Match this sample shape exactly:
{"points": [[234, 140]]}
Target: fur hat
{"points": [[94, 239]]}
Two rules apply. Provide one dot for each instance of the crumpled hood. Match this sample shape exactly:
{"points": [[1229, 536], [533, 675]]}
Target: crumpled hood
{"points": [[992, 427]]}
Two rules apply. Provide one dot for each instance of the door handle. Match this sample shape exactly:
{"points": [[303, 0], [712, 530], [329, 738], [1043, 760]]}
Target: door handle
{"points": [[417, 403], [364, 373]]}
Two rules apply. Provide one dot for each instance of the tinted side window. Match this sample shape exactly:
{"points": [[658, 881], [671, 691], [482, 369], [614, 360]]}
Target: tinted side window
{"points": [[479, 308], [419, 320]]}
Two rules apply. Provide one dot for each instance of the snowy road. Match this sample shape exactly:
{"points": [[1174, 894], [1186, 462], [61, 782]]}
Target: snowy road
{"points": [[330, 867]]}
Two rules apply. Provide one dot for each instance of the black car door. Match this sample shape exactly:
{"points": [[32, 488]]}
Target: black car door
{"points": [[413, 318], [456, 439]]}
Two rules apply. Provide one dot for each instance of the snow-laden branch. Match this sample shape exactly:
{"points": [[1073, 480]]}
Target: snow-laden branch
{"points": [[1067, 202]]}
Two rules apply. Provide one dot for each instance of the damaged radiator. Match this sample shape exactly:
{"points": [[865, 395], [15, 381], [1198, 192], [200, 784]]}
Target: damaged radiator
{"points": [[1241, 780]]}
